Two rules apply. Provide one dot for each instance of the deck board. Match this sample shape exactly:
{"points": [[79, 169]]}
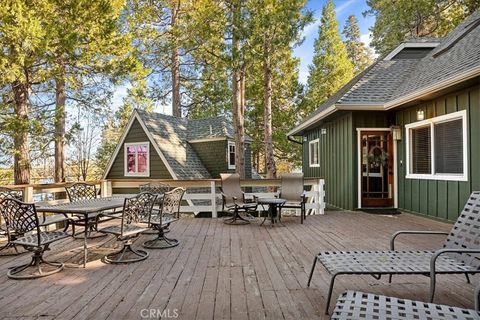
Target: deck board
{"points": [[224, 272]]}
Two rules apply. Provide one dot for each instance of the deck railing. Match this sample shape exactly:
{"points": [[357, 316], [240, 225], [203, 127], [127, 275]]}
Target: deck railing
{"points": [[209, 192]]}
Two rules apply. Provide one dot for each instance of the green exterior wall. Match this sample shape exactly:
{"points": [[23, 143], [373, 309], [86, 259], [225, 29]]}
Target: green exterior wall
{"points": [[213, 155], [336, 160], [338, 155], [158, 170], [437, 198]]}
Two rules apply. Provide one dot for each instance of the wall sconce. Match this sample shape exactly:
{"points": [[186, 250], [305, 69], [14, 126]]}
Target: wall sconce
{"points": [[396, 133], [305, 139], [323, 131], [420, 115]]}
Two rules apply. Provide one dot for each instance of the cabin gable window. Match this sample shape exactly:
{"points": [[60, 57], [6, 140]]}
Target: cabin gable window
{"points": [[231, 154], [437, 148], [137, 159], [313, 153]]}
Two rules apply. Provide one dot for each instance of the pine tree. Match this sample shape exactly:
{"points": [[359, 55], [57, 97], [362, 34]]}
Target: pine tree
{"points": [[360, 55], [24, 41], [331, 67], [398, 20], [275, 28]]}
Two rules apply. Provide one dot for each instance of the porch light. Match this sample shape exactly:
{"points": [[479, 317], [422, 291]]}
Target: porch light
{"points": [[323, 131], [305, 139], [420, 115], [396, 133]]}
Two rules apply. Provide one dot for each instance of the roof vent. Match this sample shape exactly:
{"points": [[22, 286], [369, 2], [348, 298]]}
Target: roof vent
{"points": [[412, 50]]}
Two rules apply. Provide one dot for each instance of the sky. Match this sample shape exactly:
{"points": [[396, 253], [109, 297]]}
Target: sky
{"points": [[344, 8], [304, 52]]}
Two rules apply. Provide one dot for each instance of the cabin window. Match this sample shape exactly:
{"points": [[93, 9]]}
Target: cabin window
{"points": [[437, 148], [313, 153], [137, 159], [231, 155]]}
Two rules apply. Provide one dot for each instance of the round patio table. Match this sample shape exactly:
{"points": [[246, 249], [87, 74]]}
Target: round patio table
{"points": [[273, 204]]}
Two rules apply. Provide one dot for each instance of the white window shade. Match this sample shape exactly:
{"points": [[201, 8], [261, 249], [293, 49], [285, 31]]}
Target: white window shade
{"points": [[449, 147]]}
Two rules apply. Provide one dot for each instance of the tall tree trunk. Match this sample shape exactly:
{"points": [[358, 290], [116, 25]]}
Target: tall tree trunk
{"points": [[239, 122], [60, 99], [267, 113], [21, 168], [238, 91], [176, 103]]}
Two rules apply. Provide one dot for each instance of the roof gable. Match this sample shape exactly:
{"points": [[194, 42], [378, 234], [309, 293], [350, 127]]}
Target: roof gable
{"points": [[390, 82], [170, 135]]}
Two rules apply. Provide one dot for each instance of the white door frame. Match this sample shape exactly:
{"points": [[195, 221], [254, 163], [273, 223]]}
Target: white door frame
{"points": [[359, 161]]}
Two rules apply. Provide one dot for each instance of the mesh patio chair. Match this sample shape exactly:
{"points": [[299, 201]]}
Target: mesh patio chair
{"points": [[234, 199], [136, 210], [460, 254], [22, 218], [292, 190], [358, 305], [169, 212], [84, 191]]}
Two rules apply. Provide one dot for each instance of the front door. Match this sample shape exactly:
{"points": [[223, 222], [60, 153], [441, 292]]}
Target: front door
{"points": [[376, 167]]}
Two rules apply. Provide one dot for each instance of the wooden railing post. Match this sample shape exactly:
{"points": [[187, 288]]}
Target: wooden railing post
{"points": [[106, 188], [28, 194], [321, 196], [214, 199]]}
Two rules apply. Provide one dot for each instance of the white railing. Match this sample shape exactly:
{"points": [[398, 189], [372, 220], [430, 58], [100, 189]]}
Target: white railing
{"points": [[211, 198]]}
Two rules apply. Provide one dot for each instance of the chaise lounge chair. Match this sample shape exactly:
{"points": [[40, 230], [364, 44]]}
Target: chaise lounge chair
{"points": [[460, 254], [360, 305]]}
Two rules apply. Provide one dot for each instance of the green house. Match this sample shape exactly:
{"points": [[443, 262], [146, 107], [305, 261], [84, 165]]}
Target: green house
{"points": [[405, 133], [158, 146]]}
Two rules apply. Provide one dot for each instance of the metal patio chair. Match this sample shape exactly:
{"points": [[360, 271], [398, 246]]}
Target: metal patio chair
{"points": [[292, 190], [22, 218], [460, 254], [169, 212], [159, 189], [233, 199], [136, 210], [15, 194], [360, 305], [84, 191]]}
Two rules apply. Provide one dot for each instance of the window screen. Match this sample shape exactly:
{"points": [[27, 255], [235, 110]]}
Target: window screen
{"points": [[421, 150], [448, 139]]}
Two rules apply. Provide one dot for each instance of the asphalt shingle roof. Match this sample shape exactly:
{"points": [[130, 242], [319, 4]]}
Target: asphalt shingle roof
{"points": [[387, 80], [171, 134]]}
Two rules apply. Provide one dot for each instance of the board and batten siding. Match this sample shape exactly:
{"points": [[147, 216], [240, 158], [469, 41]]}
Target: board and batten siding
{"points": [[213, 155], [158, 170], [335, 159], [437, 198]]}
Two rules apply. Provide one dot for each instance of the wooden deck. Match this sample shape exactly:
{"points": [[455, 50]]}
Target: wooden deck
{"points": [[224, 272]]}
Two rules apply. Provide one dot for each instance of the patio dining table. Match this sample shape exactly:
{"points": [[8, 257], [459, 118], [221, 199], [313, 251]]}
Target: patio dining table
{"points": [[83, 209]]}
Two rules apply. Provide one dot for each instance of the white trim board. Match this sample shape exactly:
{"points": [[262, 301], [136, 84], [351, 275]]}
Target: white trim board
{"points": [[125, 159], [310, 143], [359, 173], [430, 123]]}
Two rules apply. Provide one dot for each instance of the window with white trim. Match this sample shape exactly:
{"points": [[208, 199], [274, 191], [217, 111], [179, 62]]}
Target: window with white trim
{"points": [[137, 159], [437, 148], [231, 155], [313, 153]]}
